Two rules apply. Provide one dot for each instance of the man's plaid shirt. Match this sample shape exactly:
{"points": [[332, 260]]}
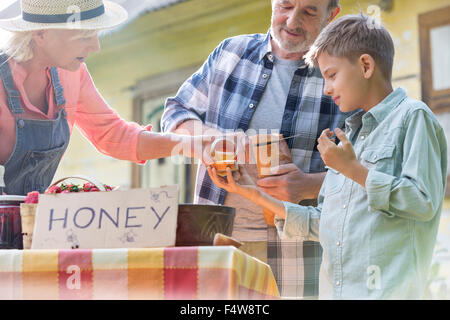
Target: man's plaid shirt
{"points": [[224, 94]]}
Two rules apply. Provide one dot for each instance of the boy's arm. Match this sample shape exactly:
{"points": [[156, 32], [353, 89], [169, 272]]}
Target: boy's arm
{"points": [[419, 191], [301, 222], [293, 222]]}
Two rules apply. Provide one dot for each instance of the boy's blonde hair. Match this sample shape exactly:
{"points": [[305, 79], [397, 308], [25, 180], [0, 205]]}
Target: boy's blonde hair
{"points": [[19, 45], [353, 35]]}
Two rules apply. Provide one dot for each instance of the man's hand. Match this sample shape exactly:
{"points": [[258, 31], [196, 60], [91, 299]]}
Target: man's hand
{"points": [[291, 184]]}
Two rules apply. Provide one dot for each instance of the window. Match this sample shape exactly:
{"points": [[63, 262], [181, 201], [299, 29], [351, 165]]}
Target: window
{"points": [[434, 30], [148, 106]]}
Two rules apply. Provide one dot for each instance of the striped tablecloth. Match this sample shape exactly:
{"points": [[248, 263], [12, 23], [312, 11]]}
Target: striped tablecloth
{"points": [[204, 273]]}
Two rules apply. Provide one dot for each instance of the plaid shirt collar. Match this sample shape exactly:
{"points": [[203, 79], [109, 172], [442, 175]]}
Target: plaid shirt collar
{"points": [[266, 47], [266, 53]]}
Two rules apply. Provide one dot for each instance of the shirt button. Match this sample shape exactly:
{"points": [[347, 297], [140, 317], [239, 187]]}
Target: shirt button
{"points": [[338, 244], [374, 157], [251, 106], [338, 283], [344, 206], [265, 76], [21, 123], [363, 137]]}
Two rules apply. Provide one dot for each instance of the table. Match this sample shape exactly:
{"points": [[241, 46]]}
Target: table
{"points": [[203, 273]]}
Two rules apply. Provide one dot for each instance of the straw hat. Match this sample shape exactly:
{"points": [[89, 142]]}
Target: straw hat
{"points": [[66, 14]]}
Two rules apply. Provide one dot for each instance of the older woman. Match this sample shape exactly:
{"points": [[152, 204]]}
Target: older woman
{"points": [[46, 90]]}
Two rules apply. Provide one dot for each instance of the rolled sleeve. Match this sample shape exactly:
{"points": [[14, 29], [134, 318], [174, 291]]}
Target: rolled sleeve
{"points": [[175, 114], [417, 191], [379, 188], [297, 224]]}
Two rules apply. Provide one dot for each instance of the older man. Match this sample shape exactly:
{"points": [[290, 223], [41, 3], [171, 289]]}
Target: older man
{"points": [[257, 83]]}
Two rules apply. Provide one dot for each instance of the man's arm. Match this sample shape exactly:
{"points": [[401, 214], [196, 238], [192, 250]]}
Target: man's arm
{"points": [[196, 127]]}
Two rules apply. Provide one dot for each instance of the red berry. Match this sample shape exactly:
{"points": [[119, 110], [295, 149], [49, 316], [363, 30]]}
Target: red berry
{"points": [[88, 186], [32, 197], [53, 190]]}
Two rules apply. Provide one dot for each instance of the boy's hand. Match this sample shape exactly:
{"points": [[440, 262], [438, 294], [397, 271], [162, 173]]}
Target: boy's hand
{"points": [[341, 158], [247, 189], [336, 157]]}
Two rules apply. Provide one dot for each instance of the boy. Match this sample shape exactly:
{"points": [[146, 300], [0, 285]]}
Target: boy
{"points": [[379, 207]]}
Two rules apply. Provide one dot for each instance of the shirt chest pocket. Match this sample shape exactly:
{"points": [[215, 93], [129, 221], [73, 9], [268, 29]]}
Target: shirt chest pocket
{"points": [[334, 182], [380, 158]]}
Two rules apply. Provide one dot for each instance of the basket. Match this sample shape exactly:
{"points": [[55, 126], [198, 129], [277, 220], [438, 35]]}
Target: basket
{"points": [[28, 211]]}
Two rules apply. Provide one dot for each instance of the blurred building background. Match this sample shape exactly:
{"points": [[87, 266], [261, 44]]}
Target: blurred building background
{"points": [[165, 41]]}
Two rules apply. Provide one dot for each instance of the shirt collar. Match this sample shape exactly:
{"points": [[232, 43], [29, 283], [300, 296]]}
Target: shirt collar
{"points": [[354, 120], [266, 49], [381, 110], [20, 74]]}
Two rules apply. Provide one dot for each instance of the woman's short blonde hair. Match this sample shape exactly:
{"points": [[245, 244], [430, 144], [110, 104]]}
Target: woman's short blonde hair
{"points": [[20, 45]]}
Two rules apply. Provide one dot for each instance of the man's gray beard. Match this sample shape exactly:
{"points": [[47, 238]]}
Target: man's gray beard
{"points": [[297, 48]]}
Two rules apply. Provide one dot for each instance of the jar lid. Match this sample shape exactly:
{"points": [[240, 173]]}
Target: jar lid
{"points": [[12, 198]]}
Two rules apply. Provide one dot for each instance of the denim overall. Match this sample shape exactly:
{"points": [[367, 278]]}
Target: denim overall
{"points": [[40, 144]]}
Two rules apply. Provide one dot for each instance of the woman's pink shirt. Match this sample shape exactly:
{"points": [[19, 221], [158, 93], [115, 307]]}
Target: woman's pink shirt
{"points": [[86, 109]]}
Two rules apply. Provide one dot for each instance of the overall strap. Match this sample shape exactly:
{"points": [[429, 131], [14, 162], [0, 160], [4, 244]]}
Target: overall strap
{"points": [[12, 93], [57, 87]]}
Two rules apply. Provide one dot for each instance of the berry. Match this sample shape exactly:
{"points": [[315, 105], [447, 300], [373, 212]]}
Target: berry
{"points": [[88, 186], [53, 190], [32, 197]]}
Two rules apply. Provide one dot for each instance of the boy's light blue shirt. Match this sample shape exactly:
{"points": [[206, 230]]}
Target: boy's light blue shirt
{"points": [[378, 241]]}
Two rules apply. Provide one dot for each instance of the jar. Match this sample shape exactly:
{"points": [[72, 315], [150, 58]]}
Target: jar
{"points": [[10, 222], [224, 153]]}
